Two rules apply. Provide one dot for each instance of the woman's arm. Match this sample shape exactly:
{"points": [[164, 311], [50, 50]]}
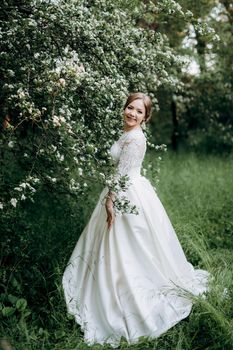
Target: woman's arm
{"points": [[109, 206], [131, 156]]}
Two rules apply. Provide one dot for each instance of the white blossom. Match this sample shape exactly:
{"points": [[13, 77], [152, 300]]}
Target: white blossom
{"points": [[11, 144], [21, 93], [62, 82], [56, 121], [18, 189], [62, 119], [54, 148], [13, 202], [23, 184], [60, 157]]}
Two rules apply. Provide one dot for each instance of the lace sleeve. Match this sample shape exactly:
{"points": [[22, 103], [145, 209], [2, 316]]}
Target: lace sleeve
{"points": [[131, 156], [132, 148]]}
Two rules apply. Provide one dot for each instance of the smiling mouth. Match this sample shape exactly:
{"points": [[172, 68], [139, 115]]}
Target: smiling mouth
{"points": [[131, 118]]}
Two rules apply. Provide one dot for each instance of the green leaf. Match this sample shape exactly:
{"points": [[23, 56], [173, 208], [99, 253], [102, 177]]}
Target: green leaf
{"points": [[12, 299], [26, 313], [8, 311], [60, 334], [16, 284], [21, 304]]}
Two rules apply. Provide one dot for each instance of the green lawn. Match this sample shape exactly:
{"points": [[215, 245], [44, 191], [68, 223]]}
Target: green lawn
{"points": [[197, 193]]}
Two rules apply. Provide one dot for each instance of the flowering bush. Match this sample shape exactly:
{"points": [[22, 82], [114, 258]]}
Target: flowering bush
{"points": [[66, 70]]}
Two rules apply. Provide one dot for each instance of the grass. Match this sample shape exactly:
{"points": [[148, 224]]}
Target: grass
{"points": [[196, 191]]}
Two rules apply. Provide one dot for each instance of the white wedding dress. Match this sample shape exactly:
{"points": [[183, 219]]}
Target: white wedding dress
{"points": [[130, 281]]}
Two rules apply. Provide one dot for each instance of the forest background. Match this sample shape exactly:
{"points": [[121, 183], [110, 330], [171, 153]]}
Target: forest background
{"points": [[66, 68]]}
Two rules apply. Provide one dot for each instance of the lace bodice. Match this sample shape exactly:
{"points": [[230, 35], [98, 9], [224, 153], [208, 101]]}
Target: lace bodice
{"points": [[128, 152]]}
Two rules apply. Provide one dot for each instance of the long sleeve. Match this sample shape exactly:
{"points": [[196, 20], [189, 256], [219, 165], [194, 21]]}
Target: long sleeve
{"points": [[131, 156], [128, 152]]}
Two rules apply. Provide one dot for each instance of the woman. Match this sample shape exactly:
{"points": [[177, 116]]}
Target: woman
{"points": [[126, 273]]}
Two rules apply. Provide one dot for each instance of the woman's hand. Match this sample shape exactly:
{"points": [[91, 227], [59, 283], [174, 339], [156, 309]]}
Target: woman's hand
{"points": [[110, 211]]}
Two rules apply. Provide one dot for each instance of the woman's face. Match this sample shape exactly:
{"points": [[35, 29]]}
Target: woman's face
{"points": [[134, 114]]}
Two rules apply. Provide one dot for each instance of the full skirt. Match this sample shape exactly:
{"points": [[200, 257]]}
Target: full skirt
{"points": [[133, 280]]}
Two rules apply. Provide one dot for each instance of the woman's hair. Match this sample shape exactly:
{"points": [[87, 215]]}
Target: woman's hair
{"points": [[146, 100]]}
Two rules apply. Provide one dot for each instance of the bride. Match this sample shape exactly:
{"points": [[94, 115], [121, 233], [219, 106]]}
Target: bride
{"points": [[128, 275]]}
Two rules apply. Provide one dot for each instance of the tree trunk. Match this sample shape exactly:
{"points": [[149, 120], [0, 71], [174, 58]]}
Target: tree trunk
{"points": [[175, 123]]}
